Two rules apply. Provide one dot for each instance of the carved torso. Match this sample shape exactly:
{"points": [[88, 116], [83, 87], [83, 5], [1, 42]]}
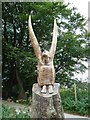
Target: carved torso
{"points": [[46, 73]]}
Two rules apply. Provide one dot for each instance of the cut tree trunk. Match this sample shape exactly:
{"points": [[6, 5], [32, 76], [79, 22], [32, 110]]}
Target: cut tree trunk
{"points": [[46, 105]]}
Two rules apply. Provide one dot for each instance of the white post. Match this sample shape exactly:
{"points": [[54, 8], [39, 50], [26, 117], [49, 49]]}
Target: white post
{"points": [[75, 92]]}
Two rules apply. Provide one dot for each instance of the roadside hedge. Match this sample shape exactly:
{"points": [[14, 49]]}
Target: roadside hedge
{"points": [[81, 106]]}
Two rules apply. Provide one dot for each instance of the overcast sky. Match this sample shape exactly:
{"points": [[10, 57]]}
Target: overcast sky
{"points": [[82, 6]]}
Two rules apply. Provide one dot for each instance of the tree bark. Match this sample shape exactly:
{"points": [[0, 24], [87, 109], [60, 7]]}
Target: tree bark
{"points": [[46, 105], [22, 94]]}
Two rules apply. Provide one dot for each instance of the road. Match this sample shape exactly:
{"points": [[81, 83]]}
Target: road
{"points": [[77, 117]]}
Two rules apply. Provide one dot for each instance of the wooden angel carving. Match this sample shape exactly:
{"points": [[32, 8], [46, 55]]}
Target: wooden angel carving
{"points": [[45, 69]]}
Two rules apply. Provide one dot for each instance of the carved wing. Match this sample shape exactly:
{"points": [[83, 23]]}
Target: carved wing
{"points": [[34, 40], [54, 40]]}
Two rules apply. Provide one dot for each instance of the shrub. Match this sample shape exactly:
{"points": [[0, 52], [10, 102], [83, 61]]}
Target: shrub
{"points": [[69, 103], [10, 112]]}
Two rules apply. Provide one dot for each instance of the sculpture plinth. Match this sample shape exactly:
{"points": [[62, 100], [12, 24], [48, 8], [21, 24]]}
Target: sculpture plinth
{"points": [[46, 105]]}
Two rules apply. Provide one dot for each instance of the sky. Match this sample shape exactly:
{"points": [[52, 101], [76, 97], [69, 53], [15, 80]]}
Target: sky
{"points": [[81, 5], [82, 8]]}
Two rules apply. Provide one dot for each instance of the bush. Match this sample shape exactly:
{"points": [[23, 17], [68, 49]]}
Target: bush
{"points": [[69, 103], [10, 112], [82, 106]]}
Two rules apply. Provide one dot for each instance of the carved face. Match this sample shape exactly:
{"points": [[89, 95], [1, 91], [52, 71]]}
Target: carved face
{"points": [[45, 57]]}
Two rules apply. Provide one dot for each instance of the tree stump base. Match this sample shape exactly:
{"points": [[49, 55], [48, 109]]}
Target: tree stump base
{"points": [[46, 105]]}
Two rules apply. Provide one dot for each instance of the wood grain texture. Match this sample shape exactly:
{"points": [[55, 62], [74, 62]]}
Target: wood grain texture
{"points": [[45, 68], [46, 105]]}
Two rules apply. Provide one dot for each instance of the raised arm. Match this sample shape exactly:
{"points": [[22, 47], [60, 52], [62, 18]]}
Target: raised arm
{"points": [[34, 40], [54, 40]]}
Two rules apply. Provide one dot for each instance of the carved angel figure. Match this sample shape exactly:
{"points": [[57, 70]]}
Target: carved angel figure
{"points": [[45, 68]]}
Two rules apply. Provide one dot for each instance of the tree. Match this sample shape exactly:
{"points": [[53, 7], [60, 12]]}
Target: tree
{"points": [[19, 61]]}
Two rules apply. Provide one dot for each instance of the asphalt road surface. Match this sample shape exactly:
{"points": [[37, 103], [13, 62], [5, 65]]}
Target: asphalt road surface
{"points": [[75, 117]]}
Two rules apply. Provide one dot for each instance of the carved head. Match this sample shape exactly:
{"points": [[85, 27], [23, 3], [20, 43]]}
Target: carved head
{"points": [[45, 57]]}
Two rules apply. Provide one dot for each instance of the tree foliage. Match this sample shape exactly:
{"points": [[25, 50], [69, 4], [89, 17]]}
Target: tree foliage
{"points": [[19, 61]]}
